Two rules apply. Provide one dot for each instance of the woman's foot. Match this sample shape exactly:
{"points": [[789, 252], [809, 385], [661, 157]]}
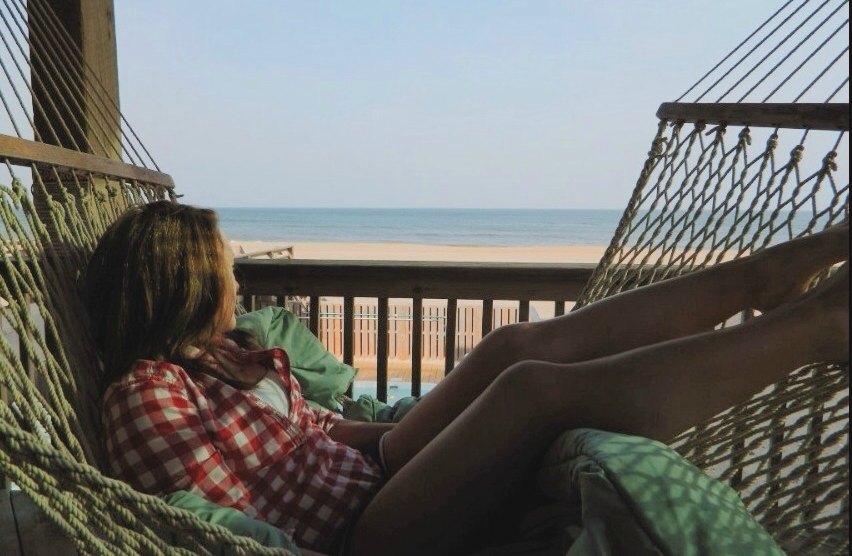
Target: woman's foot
{"points": [[787, 270], [827, 307]]}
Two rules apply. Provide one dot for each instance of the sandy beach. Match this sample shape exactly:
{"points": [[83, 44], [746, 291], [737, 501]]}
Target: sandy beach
{"points": [[424, 252]]}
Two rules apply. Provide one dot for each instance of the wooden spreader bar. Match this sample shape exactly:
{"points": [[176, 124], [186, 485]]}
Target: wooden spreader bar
{"points": [[25, 152], [822, 116]]}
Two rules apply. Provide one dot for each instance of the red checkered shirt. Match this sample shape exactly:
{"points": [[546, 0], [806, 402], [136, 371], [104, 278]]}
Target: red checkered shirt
{"points": [[167, 431]]}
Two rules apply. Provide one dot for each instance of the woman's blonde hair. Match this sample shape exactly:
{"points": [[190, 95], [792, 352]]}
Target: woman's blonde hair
{"points": [[155, 285]]}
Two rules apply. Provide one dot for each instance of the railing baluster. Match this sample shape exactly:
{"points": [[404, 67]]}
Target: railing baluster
{"points": [[348, 332], [348, 329], [487, 316], [450, 337], [249, 302], [313, 318], [416, 344], [382, 351], [558, 308], [524, 310]]}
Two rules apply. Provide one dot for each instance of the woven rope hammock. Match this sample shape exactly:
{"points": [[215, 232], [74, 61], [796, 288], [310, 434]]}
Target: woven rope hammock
{"points": [[728, 172], [716, 186]]}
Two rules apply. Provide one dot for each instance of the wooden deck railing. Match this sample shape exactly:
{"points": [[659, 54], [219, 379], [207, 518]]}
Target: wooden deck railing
{"points": [[277, 280]]}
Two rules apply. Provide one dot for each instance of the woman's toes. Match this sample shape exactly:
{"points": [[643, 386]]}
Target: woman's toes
{"points": [[829, 302], [788, 269]]}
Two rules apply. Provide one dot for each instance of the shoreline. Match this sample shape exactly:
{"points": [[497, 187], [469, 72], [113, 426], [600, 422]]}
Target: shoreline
{"points": [[427, 252]]}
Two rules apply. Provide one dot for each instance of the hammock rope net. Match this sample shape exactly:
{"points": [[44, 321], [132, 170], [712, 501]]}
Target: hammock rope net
{"points": [[708, 191]]}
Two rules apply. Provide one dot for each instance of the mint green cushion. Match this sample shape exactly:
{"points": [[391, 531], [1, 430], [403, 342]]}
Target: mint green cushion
{"points": [[322, 377], [638, 496], [234, 520], [370, 410]]}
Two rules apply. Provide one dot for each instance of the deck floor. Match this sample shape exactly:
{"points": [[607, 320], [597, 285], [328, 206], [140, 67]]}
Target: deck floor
{"points": [[25, 530]]}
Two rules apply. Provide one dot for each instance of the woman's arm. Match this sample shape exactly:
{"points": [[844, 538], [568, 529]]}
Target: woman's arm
{"points": [[157, 442], [361, 436]]}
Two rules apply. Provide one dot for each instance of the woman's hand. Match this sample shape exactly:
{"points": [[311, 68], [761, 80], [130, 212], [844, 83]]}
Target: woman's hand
{"points": [[361, 436]]}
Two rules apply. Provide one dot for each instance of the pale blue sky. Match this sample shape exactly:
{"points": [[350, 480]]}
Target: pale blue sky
{"points": [[528, 104]]}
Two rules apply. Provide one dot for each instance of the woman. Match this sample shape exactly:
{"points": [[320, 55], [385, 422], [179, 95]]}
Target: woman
{"points": [[188, 408]]}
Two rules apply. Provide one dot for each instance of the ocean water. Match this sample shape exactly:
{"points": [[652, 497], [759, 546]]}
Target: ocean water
{"points": [[500, 227], [497, 227]]}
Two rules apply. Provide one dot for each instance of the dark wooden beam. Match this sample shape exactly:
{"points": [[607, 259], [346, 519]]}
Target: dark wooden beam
{"points": [[831, 117], [439, 280], [24, 152]]}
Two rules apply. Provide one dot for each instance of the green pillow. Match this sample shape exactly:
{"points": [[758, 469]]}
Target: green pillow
{"points": [[234, 520], [322, 377], [638, 496]]}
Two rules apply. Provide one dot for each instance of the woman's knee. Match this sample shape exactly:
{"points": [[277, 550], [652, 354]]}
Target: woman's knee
{"points": [[533, 387], [508, 341]]}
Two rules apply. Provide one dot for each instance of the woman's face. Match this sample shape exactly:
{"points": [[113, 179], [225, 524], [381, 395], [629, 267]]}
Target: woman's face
{"points": [[229, 298]]}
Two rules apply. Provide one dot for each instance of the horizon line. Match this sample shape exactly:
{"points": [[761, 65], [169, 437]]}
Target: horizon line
{"points": [[412, 208]]}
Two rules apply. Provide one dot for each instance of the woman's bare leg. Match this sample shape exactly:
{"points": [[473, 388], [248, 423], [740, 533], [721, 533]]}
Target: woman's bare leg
{"points": [[670, 309], [461, 477]]}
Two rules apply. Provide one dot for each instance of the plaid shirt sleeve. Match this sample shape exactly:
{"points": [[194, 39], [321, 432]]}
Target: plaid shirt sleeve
{"points": [[325, 419], [156, 440]]}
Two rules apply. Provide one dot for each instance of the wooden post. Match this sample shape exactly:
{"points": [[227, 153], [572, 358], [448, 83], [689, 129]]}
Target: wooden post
{"points": [[86, 98], [75, 91]]}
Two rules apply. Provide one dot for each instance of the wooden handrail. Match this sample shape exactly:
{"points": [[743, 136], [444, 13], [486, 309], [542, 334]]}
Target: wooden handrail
{"points": [[439, 280], [824, 116], [25, 152]]}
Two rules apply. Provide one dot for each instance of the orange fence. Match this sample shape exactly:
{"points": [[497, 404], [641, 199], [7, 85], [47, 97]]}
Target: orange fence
{"points": [[468, 329]]}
